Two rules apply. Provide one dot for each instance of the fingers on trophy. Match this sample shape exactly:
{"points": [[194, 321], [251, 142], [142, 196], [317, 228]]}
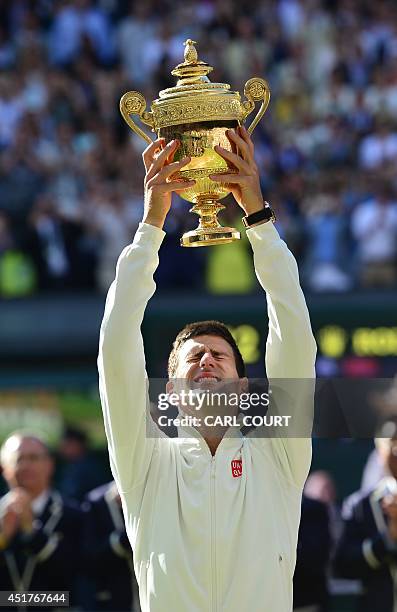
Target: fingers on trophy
{"points": [[198, 113]]}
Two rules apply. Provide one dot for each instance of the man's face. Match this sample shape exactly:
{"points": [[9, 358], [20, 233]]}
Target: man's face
{"points": [[206, 359], [28, 465]]}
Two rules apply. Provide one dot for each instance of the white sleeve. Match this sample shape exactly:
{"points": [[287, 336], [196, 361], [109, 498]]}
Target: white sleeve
{"points": [[121, 360], [290, 346]]}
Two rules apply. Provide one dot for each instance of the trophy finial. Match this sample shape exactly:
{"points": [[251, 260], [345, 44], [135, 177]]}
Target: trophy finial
{"points": [[192, 67], [190, 54]]}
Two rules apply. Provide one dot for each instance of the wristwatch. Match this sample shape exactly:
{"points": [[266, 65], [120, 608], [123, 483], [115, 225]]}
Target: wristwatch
{"points": [[265, 214]]}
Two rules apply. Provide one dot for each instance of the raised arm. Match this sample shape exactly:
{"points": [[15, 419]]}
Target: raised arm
{"points": [[121, 361], [290, 347], [290, 350]]}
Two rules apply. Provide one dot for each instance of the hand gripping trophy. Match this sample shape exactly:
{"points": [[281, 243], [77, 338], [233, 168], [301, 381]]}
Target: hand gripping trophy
{"points": [[198, 113]]}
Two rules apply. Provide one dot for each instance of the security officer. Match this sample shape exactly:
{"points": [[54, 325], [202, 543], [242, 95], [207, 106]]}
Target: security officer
{"points": [[39, 531]]}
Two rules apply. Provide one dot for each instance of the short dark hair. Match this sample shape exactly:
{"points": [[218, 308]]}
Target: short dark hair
{"points": [[73, 433], [204, 328]]}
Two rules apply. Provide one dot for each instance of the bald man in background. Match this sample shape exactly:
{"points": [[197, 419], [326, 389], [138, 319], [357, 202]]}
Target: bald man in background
{"points": [[40, 533]]}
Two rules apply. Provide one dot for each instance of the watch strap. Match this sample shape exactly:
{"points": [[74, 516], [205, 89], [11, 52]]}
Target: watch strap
{"points": [[265, 214]]}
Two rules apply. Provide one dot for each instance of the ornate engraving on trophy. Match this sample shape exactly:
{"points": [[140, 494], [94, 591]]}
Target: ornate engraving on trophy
{"points": [[198, 113]]}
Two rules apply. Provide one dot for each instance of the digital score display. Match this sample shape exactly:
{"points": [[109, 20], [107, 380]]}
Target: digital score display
{"points": [[335, 341]]}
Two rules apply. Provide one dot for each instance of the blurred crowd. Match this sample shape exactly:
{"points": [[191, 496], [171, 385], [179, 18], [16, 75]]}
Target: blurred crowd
{"points": [[71, 172]]}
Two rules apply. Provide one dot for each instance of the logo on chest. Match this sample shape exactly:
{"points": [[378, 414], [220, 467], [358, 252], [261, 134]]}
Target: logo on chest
{"points": [[237, 468]]}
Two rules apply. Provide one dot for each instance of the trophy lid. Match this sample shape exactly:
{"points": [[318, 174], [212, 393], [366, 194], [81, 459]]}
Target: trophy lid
{"points": [[192, 66], [195, 98]]}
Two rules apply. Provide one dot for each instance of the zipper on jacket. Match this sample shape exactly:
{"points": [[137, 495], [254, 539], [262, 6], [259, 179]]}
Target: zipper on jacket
{"points": [[214, 603]]}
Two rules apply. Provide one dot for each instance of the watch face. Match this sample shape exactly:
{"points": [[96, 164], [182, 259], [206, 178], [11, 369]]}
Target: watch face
{"points": [[273, 216]]}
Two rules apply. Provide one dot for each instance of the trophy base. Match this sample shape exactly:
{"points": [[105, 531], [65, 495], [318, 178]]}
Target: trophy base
{"points": [[209, 236]]}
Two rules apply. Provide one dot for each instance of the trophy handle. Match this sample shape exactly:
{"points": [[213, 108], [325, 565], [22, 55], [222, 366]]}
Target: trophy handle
{"points": [[133, 103], [254, 90]]}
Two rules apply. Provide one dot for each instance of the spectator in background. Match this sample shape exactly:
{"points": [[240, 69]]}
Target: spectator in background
{"points": [[11, 108], [374, 227], [63, 165], [384, 402], [135, 33], [378, 148], [313, 555], [325, 229], [107, 552], [21, 175], [78, 23], [56, 247], [111, 220], [40, 533], [7, 51], [321, 486], [367, 548], [80, 471]]}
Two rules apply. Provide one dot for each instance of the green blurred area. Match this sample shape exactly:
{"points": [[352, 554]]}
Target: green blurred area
{"points": [[48, 411]]}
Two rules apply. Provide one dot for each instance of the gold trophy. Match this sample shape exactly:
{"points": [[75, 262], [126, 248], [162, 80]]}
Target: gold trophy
{"points": [[198, 113]]}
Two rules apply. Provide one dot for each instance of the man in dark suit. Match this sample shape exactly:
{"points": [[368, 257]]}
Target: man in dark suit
{"points": [[107, 552], [313, 555], [80, 471], [367, 548], [39, 531]]}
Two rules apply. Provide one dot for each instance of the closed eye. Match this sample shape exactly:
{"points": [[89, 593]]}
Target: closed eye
{"points": [[194, 358], [198, 356]]}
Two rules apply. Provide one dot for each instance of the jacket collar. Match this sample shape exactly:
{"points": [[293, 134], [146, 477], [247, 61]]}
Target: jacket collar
{"points": [[232, 437], [40, 502], [386, 486]]}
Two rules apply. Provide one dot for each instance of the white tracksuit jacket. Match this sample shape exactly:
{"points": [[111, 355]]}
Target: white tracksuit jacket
{"points": [[203, 540]]}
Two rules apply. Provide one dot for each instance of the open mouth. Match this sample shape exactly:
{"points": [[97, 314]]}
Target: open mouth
{"points": [[211, 380]]}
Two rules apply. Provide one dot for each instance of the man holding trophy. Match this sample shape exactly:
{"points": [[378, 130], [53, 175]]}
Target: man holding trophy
{"points": [[212, 519]]}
